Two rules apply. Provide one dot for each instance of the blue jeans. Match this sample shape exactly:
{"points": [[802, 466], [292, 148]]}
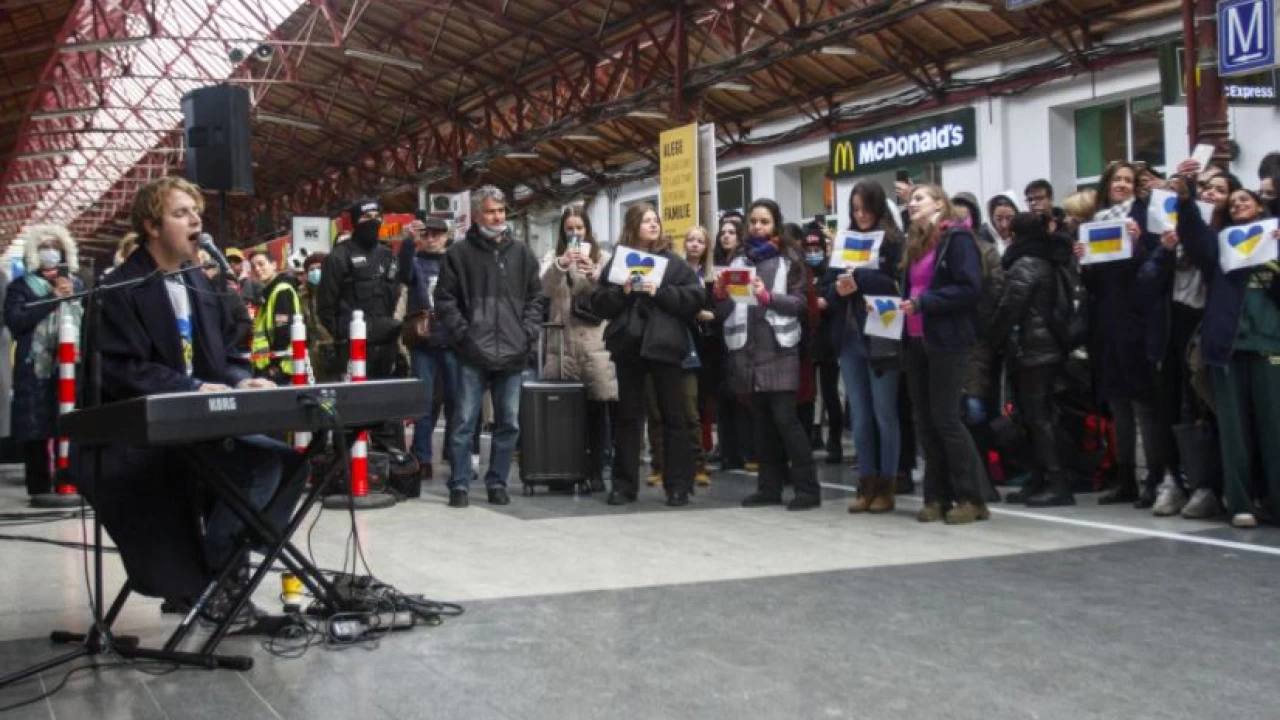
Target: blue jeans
{"points": [[255, 464], [505, 390], [427, 362], [873, 410]]}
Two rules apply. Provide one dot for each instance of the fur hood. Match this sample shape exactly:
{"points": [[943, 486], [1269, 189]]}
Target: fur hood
{"points": [[31, 246]]}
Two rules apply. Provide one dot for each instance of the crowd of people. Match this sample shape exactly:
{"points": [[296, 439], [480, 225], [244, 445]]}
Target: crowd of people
{"points": [[1016, 359]]}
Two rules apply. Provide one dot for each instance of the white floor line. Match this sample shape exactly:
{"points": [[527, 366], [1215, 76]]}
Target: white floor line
{"points": [[1144, 532]]}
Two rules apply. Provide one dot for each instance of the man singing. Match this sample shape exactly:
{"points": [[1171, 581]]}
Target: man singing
{"points": [[171, 333]]}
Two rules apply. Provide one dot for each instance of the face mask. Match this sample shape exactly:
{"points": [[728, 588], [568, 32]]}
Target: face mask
{"points": [[313, 276], [49, 258], [366, 233], [814, 260]]}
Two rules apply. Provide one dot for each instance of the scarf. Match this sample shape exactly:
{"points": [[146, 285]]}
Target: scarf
{"points": [[1115, 212], [760, 249], [44, 340]]}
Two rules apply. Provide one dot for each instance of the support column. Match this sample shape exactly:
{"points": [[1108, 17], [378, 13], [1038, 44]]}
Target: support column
{"points": [[1211, 105]]}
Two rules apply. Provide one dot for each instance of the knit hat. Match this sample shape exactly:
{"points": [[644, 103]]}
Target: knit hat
{"points": [[360, 208]]}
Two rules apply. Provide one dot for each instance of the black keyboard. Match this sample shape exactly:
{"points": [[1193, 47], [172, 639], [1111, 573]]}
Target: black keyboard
{"points": [[181, 418]]}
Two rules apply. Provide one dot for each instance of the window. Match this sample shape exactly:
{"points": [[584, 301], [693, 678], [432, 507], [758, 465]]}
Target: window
{"points": [[733, 190], [814, 195], [1130, 130]]}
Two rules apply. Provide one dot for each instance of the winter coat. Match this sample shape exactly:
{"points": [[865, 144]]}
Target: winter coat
{"points": [[34, 412], [1225, 301], [983, 372], [489, 297], [1117, 320], [358, 278], [949, 306], [668, 314], [819, 331], [582, 356], [763, 365], [6, 365], [419, 270], [1021, 325], [848, 315]]}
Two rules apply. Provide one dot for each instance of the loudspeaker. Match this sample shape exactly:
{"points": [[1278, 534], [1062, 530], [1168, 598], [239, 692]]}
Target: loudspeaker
{"points": [[216, 123]]}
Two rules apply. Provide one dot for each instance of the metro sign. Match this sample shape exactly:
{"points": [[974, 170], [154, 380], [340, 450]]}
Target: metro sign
{"points": [[1246, 36]]}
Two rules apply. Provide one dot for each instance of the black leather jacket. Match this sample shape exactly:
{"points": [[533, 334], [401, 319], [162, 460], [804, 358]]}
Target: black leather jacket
{"points": [[1021, 321]]}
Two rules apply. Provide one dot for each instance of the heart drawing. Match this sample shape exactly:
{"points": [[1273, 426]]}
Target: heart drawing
{"points": [[888, 310], [1245, 241], [638, 264]]}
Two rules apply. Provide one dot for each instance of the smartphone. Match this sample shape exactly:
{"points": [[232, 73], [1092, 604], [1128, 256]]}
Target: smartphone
{"points": [[64, 271], [1203, 154]]}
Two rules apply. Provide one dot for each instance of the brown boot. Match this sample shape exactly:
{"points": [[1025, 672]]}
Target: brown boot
{"points": [[867, 487], [882, 502]]}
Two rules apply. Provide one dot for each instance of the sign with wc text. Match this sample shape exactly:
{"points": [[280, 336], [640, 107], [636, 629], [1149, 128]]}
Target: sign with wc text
{"points": [[1246, 36]]}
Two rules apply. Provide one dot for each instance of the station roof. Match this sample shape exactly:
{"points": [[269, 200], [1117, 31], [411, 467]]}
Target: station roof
{"points": [[359, 97]]}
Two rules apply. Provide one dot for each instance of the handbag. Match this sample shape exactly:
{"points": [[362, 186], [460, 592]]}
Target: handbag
{"points": [[416, 328], [625, 334]]}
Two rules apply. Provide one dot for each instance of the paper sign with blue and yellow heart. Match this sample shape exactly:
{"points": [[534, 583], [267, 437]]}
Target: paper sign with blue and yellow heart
{"points": [[857, 249], [628, 262], [1106, 241], [1162, 212], [884, 317], [1248, 245]]}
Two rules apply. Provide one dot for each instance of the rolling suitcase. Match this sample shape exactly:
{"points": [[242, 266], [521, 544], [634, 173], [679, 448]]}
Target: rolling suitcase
{"points": [[553, 428]]}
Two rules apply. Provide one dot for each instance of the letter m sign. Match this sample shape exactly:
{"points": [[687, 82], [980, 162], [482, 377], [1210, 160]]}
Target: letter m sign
{"points": [[1246, 36]]}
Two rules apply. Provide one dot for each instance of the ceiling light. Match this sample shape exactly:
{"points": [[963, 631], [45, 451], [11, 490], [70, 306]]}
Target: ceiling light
{"points": [[385, 58], [647, 114], [91, 45], [734, 86], [290, 121], [14, 206], [964, 6], [60, 114], [839, 50], [582, 138], [30, 183], [44, 155], [521, 156]]}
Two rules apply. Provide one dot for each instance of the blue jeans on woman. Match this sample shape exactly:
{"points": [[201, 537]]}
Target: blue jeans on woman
{"points": [[427, 364], [873, 409]]}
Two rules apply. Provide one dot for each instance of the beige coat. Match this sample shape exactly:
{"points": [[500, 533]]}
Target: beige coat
{"points": [[585, 358]]}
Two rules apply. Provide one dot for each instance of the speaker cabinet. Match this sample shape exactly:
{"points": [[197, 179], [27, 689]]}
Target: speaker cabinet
{"points": [[216, 124]]}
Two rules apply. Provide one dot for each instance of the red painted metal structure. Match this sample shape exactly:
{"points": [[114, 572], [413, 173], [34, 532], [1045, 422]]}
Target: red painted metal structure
{"points": [[454, 87]]}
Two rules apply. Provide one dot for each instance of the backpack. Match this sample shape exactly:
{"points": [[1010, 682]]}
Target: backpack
{"points": [[1068, 322]]}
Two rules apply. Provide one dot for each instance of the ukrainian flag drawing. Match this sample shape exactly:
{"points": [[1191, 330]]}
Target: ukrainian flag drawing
{"points": [[1105, 240], [856, 249]]}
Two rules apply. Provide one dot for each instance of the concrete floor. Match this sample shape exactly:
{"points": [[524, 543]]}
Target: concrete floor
{"points": [[575, 609]]}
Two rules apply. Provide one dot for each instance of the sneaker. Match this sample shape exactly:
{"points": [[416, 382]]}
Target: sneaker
{"points": [[1244, 521], [930, 513], [655, 479], [1202, 506], [498, 496], [702, 477], [967, 512], [458, 499], [1170, 499]]}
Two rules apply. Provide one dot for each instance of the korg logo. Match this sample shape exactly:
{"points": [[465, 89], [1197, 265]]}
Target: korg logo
{"points": [[222, 404]]}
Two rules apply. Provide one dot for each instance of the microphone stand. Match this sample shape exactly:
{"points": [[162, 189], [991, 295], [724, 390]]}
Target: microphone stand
{"points": [[98, 640]]}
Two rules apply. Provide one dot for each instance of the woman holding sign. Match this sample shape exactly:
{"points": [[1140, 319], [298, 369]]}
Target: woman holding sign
{"points": [[649, 296], [941, 288], [1240, 342], [762, 332], [1123, 377], [568, 283], [870, 378]]}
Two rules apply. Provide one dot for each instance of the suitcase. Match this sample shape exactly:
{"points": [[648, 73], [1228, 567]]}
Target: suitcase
{"points": [[553, 429]]}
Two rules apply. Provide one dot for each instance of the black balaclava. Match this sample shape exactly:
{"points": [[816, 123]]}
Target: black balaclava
{"points": [[364, 234]]}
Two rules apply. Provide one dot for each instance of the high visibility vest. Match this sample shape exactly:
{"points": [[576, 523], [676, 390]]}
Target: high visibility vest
{"points": [[260, 351]]}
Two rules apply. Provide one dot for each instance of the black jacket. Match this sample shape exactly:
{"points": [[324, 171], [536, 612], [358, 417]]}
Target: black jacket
{"points": [[489, 297], [949, 305], [849, 314], [419, 270], [1022, 324], [669, 312], [355, 278]]}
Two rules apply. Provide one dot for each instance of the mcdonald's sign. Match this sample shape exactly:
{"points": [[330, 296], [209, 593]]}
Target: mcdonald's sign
{"points": [[948, 136]]}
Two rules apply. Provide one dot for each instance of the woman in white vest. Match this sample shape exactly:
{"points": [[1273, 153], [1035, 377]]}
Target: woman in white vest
{"points": [[763, 340]]}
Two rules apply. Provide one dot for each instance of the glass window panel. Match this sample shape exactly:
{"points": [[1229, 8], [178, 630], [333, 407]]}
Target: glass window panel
{"points": [[813, 180], [1148, 130], [1102, 135]]}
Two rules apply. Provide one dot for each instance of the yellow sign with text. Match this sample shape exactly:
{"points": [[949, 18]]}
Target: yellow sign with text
{"points": [[678, 176]]}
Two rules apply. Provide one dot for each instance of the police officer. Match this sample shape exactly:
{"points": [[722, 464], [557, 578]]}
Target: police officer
{"points": [[360, 274]]}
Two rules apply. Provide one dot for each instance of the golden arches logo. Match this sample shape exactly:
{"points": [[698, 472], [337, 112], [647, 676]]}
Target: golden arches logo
{"points": [[842, 158]]}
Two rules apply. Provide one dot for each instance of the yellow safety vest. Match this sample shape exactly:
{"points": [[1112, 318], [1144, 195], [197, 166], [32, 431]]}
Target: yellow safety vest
{"points": [[260, 351]]}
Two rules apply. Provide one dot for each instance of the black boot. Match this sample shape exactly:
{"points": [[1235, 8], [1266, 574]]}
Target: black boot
{"points": [[1147, 490], [1056, 492], [1125, 490], [835, 452], [1035, 485]]}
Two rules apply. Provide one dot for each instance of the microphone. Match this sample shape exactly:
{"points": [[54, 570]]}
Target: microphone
{"points": [[206, 244]]}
